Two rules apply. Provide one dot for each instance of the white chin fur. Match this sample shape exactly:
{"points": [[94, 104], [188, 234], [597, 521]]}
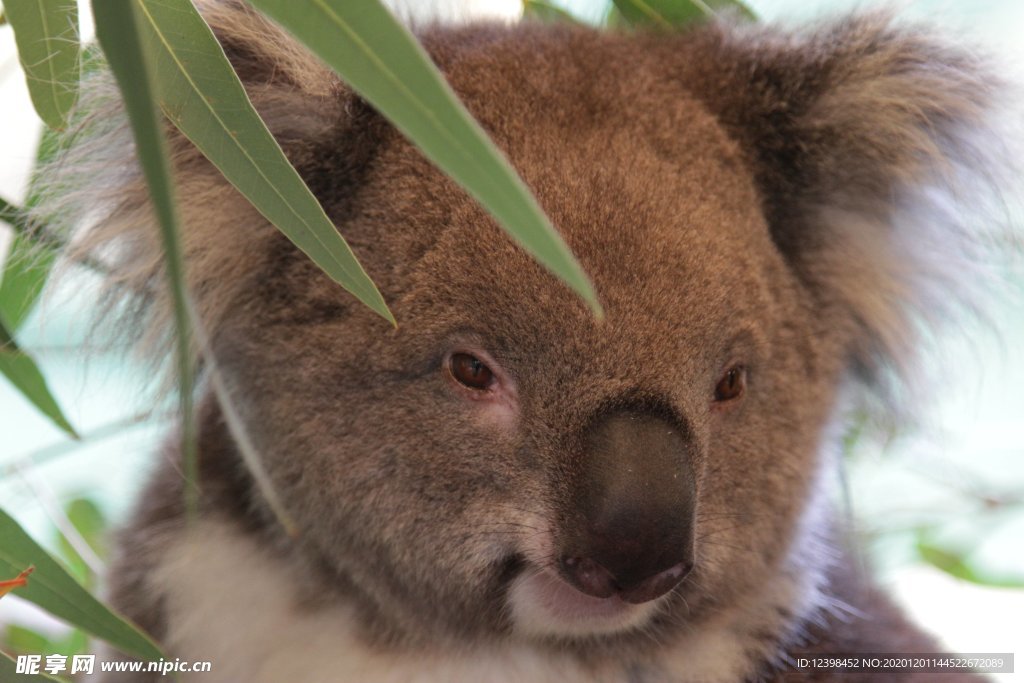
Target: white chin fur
{"points": [[542, 605]]}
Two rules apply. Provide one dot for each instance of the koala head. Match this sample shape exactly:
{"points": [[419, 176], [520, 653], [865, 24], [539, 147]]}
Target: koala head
{"points": [[764, 218]]}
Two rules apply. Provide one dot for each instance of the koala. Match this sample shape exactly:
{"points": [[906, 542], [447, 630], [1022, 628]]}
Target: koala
{"points": [[504, 487]]}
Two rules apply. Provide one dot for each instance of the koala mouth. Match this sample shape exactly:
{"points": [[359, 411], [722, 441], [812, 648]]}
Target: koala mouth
{"points": [[543, 604]]}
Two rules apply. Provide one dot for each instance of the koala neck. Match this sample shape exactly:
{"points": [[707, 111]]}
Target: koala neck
{"points": [[229, 601]]}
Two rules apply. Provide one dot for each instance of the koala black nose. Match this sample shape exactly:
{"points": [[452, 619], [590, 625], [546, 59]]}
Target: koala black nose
{"points": [[630, 532]]}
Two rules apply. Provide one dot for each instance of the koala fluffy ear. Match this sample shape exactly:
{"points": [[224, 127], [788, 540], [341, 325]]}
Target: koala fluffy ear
{"points": [[297, 95], [874, 150], [95, 191]]}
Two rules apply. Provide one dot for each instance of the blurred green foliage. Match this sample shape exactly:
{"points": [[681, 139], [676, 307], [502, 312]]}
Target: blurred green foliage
{"points": [[91, 527]]}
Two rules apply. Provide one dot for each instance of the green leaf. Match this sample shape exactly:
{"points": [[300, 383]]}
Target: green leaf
{"points": [[381, 60], [613, 18], [23, 640], [21, 370], [956, 565], [91, 526], [52, 143], [672, 13], [13, 216], [53, 589], [8, 675], [46, 32], [545, 12], [201, 94], [26, 269], [74, 643], [89, 522], [120, 33], [28, 263]]}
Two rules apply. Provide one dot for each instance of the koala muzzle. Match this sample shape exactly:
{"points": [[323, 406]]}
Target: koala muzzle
{"points": [[631, 532]]}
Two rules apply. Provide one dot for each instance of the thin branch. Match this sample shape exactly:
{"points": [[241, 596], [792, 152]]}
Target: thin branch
{"points": [[238, 430], [11, 214], [67, 529], [63, 448], [19, 220]]}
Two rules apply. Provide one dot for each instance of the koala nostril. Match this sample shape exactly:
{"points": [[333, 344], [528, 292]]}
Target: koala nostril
{"points": [[657, 585], [588, 577], [592, 578]]}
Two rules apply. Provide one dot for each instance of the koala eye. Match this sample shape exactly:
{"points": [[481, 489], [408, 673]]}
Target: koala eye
{"points": [[470, 371], [732, 384]]}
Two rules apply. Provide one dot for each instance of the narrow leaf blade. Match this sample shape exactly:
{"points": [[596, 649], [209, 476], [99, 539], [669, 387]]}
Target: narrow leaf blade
{"points": [[28, 263], [201, 94], [8, 672], [674, 13], [955, 564], [546, 13], [119, 32], [26, 269], [18, 367], [53, 589], [46, 32], [381, 60]]}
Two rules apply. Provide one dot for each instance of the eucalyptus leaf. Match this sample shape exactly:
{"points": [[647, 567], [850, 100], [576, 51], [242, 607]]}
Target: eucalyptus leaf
{"points": [[18, 367], [613, 18], [20, 639], [956, 563], [13, 216], [53, 589], [28, 263], [385, 64], [41, 238], [52, 143], [8, 674], [88, 521], [46, 33], [547, 13], [201, 95], [674, 13], [26, 268], [120, 33]]}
